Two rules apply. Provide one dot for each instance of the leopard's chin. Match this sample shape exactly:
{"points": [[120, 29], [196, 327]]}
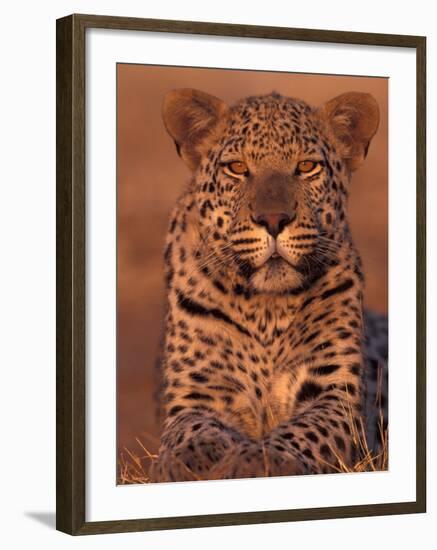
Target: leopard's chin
{"points": [[276, 276]]}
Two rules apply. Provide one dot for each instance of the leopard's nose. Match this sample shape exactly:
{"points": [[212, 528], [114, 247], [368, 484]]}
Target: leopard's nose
{"points": [[274, 223]]}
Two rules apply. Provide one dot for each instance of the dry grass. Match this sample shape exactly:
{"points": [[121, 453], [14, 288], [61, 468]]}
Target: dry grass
{"points": [[367, 461], [133, 465]]}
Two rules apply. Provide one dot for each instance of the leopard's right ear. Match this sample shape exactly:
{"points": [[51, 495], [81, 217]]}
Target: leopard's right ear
{"points": [[353, 118], [192, 117]]}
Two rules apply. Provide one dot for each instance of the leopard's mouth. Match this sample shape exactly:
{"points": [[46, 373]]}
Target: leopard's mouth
{"points": [[276, 259], [279, 274], [276, 275]]}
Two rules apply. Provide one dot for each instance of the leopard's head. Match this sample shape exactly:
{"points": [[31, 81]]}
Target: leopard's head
{"points": [[270, 179]]}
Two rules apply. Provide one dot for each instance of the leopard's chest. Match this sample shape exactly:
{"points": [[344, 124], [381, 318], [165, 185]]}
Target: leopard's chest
{"points": [[270, 393]]}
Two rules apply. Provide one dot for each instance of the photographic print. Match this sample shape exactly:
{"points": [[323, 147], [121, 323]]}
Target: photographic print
{"points": [[240, 274], [252, 274]]}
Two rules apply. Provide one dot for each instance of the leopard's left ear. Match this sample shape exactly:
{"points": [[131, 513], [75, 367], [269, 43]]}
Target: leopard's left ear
{"points": [[191, 118], [353, 118]]}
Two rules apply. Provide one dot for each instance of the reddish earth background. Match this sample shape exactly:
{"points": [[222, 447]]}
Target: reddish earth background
{"points": [[150, 177]]}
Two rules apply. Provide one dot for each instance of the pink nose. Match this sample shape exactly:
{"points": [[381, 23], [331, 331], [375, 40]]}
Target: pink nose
{"points": [[274, 223]]}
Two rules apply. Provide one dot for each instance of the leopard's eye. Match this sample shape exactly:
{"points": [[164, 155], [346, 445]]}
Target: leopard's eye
{"points": [[237, 168], [305, 166]]}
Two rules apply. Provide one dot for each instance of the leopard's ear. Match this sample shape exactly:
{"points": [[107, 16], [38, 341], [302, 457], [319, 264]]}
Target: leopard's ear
{"points": [[191, 118], [353, 118]]}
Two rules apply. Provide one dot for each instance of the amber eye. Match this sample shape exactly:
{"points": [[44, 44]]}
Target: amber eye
{"points": [[305, 166], [238, 168]]}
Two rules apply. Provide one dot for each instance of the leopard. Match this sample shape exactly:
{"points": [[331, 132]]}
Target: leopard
{"points": [[270, 362]]}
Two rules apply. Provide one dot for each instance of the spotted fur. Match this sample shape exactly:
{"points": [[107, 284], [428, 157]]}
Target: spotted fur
{"points": [[268, 360]]}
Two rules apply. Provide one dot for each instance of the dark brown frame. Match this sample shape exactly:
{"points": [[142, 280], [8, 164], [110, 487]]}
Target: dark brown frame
{"points": [[70, 275]]}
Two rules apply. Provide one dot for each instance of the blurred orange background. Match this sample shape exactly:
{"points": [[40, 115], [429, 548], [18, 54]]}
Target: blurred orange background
{"points": [[150, 176]]}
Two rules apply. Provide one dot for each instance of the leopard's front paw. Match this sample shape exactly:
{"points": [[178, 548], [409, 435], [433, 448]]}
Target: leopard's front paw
{"points": [[171, 467], [258, 459], [285, 463]]}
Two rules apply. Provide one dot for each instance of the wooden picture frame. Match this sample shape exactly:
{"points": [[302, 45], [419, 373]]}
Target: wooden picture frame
{"points": [[71, 279]]}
